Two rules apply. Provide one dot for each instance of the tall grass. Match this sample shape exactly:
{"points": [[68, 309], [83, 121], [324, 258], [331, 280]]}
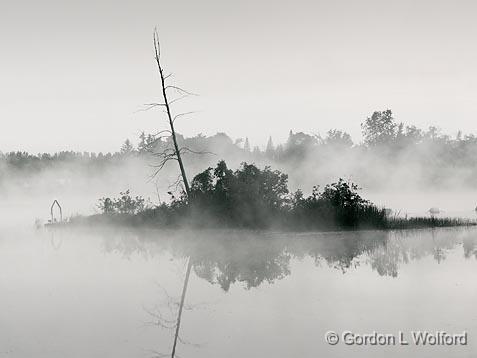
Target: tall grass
{"points": [[426, 222]]}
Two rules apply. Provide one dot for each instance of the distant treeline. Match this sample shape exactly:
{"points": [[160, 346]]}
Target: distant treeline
{"points": [[255, 198], [386, 144]]}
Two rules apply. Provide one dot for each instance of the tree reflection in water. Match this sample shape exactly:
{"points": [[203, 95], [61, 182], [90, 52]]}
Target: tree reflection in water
{"points": [[181, 306], [225, 258]]}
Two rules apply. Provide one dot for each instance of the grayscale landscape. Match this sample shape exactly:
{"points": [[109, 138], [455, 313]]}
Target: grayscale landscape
{"points": [[238, 179]]}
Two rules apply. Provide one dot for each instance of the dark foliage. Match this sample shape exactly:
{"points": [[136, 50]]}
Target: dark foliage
{"points": [[250, 197], [125, 204], [338, 206], [255, 198]]}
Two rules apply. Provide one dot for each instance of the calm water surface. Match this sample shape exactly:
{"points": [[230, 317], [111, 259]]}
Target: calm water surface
{"points": [[116, 293]]}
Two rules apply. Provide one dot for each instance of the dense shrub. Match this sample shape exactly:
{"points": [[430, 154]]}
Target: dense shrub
{"points": [[125, 204], [339, 205], [246, 197], [251, 197]]}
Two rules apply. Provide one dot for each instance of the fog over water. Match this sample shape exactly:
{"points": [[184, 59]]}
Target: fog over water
{"points": [[79, 195], [378, 93], [410, 183], [114, 292]]}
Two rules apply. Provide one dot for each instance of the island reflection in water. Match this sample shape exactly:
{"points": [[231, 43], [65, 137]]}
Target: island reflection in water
{"points": [[118, 292]]}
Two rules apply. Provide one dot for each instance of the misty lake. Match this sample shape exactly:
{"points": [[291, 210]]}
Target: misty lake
{"points": [[116, 293]]}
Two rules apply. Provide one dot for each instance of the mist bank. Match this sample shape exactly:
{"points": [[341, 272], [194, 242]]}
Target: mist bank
{"points": [[391, 155], [398, 166], [254, 198]]}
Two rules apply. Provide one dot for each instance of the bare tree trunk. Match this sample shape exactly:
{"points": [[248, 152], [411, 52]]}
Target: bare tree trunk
{"points": [[167, 104], [179, 316], [176, 155]]}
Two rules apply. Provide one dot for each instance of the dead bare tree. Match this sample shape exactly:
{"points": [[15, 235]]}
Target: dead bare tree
{"points": [[168, 154], [174, 153]]}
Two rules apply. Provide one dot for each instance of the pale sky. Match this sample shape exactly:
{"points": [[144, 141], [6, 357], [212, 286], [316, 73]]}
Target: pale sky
{"points": [[74, 73]]}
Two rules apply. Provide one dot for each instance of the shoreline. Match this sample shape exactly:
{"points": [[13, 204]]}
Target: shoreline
{"points": [[126, 221]]}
